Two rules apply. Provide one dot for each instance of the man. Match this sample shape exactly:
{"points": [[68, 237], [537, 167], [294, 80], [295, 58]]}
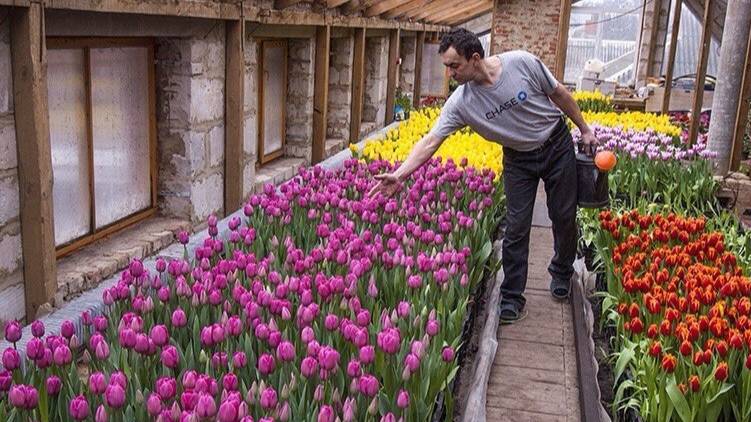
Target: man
{"points": [[511, 98]]}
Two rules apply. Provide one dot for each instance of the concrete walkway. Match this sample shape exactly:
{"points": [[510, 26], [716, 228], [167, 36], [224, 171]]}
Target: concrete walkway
{"points": [[534, 375]]}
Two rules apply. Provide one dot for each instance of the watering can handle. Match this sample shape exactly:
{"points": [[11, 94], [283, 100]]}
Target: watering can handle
{"points": [[586, 149]]}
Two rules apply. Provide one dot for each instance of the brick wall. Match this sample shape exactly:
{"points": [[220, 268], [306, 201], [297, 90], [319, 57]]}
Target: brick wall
{"points": [[11, 261], [530, 25], [300, 89], [340, 88], [190, 123]]}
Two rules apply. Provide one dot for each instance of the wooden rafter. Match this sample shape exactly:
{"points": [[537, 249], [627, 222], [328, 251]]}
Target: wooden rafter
{"points": [[355, 6], [383, 6], [471, 10], [434, 7], [462, 20], [335, 3], [283, 4], [564, 22], [405, 8]]}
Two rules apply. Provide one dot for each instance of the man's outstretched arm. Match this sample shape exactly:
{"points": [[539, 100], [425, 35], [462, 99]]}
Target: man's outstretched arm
{"points": [[565, 101], [388, 183]]}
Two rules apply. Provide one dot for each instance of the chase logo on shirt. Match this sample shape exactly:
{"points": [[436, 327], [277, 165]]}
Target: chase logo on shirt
{"points": [[520, 98]]}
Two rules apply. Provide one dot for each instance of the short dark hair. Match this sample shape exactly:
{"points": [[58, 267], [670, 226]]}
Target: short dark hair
{"points": [[464, 42]]}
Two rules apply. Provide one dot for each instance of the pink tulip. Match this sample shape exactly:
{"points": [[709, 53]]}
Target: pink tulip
{"points": [[102, 351], [266, 364], [412, 362], [206, 406], [229, 382], [389, 340], [13, 331], [170, 357], [432, 327], [114, 396], [154, 404], [367, 354], [166, 387], [120, 379], [239, 360], [326, 414], [53, 385], [368, 385], [268, 398], [62, 355], [227, 412], [308, 366], [447, 354], [97, 383], [285, 351], [37, 329], [101, 414], [353, 369], [328, 358], [79, 408], [35, 349], [17, 396], [402, 399]]}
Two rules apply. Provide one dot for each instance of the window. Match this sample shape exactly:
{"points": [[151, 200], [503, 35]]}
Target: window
{"points": [[102, 135], [272, 99]]}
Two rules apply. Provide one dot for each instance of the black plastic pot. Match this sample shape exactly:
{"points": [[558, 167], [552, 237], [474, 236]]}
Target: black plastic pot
{"points": [[592, 184]]}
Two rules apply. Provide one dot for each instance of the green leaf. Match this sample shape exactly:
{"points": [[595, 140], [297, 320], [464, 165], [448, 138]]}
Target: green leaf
{"points": [[679, 401], [487, 248], [624, 357], [724, 389]]}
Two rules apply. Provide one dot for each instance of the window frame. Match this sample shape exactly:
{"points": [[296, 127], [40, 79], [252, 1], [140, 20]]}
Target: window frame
{"points": [[86, 44], [263, 157]]}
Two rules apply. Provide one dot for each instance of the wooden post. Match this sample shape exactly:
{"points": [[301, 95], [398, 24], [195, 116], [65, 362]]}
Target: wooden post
{"points": [[562, 47], [418, 69], [321, 94], [701, 73], [29, 62], [234, 101], [358, 85], [741, 118], [671, 55], [391, 77]]}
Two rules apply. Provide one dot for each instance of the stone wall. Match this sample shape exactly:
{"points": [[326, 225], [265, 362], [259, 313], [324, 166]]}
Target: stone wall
{"points": [[376, 67], [190, 122], [340, 88], [11, 261], [407, 69], [250, 134], [530, 25], [300, 89]]}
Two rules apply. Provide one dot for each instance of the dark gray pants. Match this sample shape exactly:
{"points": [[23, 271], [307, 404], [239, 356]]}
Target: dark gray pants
{"points": [[555, 164]]}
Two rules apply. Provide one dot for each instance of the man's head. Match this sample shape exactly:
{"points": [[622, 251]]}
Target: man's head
{"points": [[462, 53]]}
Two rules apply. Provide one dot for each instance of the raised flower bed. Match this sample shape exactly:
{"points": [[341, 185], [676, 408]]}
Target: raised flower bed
{"points": [[321, 303]]}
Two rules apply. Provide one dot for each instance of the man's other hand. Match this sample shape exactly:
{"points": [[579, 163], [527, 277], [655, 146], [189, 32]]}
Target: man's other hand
{"points": [[388, 184], [589, 143]]}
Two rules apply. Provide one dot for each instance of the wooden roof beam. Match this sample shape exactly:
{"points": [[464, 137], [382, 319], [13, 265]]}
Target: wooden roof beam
{"points": [[406, 7], [355, 6], [466, 14], [335, 3], [469, 6], [383, 6], [436, 7]]}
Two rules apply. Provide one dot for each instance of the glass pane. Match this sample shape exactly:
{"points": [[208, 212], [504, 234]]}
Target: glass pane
{"points": [[606, 30], [273, 97], [120, 112], [66, 91], [433, 78]]}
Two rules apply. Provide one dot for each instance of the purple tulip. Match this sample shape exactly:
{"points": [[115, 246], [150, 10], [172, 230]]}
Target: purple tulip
{"points": [[412, 362], [67, 329], [35, 349], [432, 327], [268, 398], [447, 354], [11, 359], [154, 404], [367, 354], [13, 331], [183, 237], [326, 414], [97, 383], [53, 385], [101, 414], [79, 408], [119, 378], [170, 357], [402, 399], [166, 387], [37, 329], [239, 360], [227, 412], [285, 351], [102, 350], [206, 406], [368, 385], [389, 340], [17, 396], [266, 364], [179, 319]]}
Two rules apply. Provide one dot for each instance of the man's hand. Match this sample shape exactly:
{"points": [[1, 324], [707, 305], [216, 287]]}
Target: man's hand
{"points": [[388, 184], [589, 143]]}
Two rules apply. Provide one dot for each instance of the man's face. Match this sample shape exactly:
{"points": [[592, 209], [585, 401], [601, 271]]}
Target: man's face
{"points": [[461, 69]]}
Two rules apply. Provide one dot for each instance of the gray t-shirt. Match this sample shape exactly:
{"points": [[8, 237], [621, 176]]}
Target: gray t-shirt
{"points": [[515, 111]]}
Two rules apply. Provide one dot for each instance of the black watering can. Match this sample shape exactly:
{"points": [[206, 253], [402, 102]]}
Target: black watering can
{"points": [[592, 183]]}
